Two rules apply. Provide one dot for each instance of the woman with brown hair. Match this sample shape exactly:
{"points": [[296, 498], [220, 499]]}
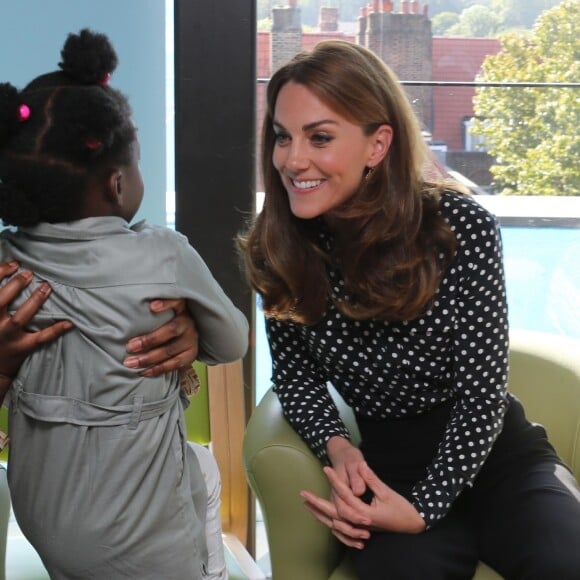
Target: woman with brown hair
{"points": [[382, 278]]}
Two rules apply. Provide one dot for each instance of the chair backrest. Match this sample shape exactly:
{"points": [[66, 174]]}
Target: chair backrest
{"points": [[197, 414], [545, 376]]}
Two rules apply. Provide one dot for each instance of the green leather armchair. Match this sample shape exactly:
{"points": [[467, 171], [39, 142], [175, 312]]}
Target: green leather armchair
{"points": [[544, 375]]}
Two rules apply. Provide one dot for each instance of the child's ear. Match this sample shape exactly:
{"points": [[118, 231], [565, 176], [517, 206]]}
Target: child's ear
{"points": [[115, 187]]}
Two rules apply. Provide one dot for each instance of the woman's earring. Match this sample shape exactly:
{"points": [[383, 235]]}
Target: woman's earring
{"points": [[369, 173]]}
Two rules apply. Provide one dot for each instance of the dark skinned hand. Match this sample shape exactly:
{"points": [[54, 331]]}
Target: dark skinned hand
{"points": [[16, 343], [170, 347]]}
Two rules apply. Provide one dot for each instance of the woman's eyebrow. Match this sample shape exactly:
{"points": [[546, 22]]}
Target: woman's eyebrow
{"points": [[308, 126], [311, 126]]}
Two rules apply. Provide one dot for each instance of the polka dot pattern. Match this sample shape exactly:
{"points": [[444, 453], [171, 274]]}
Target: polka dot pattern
{"points": [[457, 351]]}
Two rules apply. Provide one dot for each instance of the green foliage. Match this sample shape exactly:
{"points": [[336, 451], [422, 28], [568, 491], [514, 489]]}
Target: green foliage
{"points": [[264, 25], [439, 6], [521, 12], [533, 132], [476, 21], [443, 21]]}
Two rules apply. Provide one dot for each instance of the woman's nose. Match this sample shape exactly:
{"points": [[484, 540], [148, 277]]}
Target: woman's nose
{"points": [[297, 158]]}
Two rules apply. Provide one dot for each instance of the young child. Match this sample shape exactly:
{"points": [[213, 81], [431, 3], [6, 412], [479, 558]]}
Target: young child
{"points": [[103, 482]]}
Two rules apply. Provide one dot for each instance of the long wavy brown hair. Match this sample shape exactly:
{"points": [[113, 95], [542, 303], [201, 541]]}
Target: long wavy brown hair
{"points": [[391, 243]]}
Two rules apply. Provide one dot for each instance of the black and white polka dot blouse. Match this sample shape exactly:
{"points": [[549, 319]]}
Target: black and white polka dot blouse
{"points": [[457, 352]]}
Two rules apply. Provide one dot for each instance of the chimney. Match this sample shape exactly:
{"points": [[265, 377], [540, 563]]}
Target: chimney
{"points": [[328, 19], [286, 35], [362, 25], [404, 40]]}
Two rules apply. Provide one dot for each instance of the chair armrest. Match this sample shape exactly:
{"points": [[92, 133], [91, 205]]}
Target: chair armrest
{"points": [[278, 466]]}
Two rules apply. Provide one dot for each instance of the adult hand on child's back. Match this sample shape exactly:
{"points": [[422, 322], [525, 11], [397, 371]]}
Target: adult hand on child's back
{"points": [[170, 347], [16, 343]]}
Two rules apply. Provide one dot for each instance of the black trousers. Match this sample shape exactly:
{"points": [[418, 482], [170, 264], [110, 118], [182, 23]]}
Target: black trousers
{"points": [[521, 517]]}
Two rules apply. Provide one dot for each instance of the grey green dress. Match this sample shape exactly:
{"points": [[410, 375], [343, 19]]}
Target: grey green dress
{"points": [[102, 481]]}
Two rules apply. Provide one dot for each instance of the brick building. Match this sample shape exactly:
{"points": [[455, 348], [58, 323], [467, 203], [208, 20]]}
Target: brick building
{"points": [[401, 35]]}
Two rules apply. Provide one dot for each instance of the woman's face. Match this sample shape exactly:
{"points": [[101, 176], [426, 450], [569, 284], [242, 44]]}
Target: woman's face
{"points": [[321, 156]]}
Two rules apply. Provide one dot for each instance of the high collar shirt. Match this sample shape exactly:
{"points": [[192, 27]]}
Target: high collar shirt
{"points": [[456, 352]]}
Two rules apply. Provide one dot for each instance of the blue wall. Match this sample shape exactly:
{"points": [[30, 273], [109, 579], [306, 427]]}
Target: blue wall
{"points": [[32, 33]]}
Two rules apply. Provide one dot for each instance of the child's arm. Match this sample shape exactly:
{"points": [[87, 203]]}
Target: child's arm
{"points": [[222, 328]]}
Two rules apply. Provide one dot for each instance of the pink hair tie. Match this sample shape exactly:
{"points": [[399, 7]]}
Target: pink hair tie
{"points": [[105, 80], [23, 113], [93, 144]]}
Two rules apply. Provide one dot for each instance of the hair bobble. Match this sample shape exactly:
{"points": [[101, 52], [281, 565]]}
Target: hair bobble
{"points": [[23, 112], [105, 80], [93, 144]]}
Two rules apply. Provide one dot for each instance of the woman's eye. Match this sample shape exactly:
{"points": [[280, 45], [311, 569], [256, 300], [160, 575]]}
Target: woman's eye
{"points": [[320, 139], [282, 138]]}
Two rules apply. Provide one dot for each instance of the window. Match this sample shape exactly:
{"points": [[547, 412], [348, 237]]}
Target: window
{"points": [[471, 142]]}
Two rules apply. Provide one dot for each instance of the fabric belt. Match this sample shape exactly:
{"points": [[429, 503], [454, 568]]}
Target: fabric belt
{"points": [[54, 409]]}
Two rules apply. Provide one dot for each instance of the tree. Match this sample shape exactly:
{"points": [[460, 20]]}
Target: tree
{"points": [[438, 6], [476, 21], [533, 132], [521, 13], [442, 22]]}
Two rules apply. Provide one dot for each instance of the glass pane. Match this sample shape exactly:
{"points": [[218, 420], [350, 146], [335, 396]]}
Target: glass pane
{"points": [[515, 145]]}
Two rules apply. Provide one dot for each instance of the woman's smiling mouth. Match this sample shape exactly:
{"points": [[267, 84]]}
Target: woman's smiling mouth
{"points": [[307, 184]]}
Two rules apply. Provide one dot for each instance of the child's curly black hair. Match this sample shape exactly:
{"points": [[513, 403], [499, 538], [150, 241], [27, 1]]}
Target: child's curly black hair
{"points": [[63, 129]]}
